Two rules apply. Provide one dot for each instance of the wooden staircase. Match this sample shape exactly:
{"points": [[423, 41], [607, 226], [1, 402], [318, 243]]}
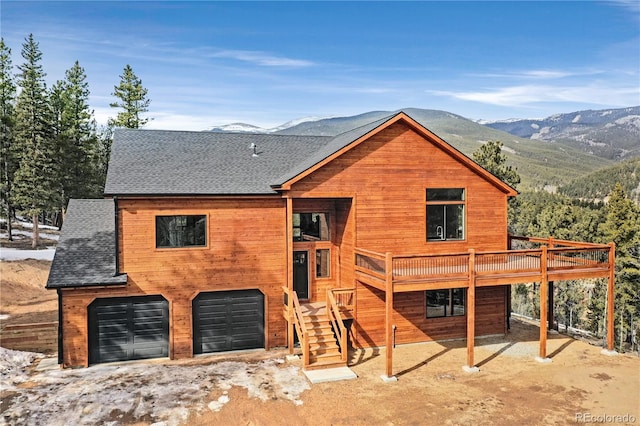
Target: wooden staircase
{"points": [[324, 351]]}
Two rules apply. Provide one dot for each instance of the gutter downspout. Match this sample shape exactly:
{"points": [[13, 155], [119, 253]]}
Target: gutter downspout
{"points": [[60, 335], [117, 236]]}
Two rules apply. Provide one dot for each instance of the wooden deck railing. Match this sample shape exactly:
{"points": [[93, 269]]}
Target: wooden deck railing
{"points": [[334, 314], [293, 312], [560, 257]]}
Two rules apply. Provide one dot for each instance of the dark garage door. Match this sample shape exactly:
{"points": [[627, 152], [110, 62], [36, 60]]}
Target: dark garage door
{"points": [[127, 328], [228, 321]]}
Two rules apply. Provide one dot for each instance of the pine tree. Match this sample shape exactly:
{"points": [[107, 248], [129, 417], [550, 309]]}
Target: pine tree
{"points": [[490, 157], [35, 187], [76, 136], [622, 226], [8, 162], [133, 101]]}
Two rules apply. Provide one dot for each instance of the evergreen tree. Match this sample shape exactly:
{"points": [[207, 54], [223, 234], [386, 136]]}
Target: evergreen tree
{"points": [[622, 226], [76, 136], [35, 188], [133, 101], [105, 138], [490, 157], [8, 162]]}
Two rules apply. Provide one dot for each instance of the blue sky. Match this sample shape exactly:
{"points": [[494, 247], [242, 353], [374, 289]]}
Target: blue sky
{"points": [[265, 63]]}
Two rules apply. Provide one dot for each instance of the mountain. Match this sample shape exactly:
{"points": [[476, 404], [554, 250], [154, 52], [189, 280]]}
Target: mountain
{"points": [[540, 164], [611, 133]]}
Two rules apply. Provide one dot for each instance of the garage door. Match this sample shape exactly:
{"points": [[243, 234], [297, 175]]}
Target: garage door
{"points": [[228, 321], [127, 328]]}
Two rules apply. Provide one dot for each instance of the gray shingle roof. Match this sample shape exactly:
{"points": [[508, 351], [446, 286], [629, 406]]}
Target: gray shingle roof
{"points": [[159, 162], [85, 254]]}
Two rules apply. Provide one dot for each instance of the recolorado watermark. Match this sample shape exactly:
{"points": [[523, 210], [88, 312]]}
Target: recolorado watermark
{"points": [[605, 418]]}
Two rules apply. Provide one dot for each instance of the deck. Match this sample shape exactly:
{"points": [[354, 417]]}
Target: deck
{"points": [[534, 260], [553, 261]]}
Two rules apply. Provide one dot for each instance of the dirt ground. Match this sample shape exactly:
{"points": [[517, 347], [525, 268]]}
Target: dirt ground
{"points": [[580, 385], [22, 293]]}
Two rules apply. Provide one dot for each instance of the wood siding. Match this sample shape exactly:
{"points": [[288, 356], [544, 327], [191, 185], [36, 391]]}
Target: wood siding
{"points": [[409, 316], [246, 249]]}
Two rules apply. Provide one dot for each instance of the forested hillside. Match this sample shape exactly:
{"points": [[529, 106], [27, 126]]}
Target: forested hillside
{"points": [[597, 185]]}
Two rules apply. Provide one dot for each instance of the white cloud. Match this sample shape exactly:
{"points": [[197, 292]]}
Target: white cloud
{"points": [[594, 93], [262, 58]]}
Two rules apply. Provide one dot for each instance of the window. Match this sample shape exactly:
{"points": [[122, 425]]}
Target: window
{"points": [[445, 214], [323, 262], [310, 227], [181, 231], [445, 303]]}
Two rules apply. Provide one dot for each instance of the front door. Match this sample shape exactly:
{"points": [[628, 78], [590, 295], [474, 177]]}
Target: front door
{"points": [[301, 274]]}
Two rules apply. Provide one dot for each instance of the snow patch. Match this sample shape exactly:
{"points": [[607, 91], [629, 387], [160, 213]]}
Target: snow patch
{"points": [[13, 366], [535, 126], [576, 118], [163, 394], [219, 403], [9, 254]]}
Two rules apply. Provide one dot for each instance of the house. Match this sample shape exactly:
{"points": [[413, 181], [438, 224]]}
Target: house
{"points": [[208, 242]]}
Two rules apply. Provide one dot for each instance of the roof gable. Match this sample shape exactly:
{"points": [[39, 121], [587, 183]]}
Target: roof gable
{"points": [[349, 140]]}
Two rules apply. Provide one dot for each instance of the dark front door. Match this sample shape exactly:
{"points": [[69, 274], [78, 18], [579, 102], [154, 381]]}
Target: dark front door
{"points": [[301, 274]]}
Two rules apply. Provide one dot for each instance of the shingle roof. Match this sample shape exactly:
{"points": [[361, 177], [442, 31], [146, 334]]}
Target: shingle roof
{"points": [[85, 254], [159, 162]]}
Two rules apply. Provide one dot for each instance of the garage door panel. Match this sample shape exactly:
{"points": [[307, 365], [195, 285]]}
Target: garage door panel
{"points": [[128, 328], [230, 320]]}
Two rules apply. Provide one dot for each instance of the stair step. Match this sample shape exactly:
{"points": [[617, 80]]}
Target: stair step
{"points": [[325, 359], [326, 364], [323, 338]]}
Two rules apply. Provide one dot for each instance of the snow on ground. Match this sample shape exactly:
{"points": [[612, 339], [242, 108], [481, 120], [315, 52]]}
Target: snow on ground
{"points": [[29, 234], [7, 253], [161, 393]]}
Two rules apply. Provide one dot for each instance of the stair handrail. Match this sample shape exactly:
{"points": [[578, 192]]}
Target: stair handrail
{"points": [[333, 312], [295, 314]]}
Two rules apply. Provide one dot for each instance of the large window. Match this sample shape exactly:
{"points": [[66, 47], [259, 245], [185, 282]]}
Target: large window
{"points": [[311, 227], [445, 214], [181, 231], [445, 303]]}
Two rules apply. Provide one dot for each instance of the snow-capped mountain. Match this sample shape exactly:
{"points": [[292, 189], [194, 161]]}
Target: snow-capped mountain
{"points": [[610, 133], [250, 128]]}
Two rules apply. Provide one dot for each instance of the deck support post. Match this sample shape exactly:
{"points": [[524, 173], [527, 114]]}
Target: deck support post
{"points": [[611, 296], [544, 289], [388, 318], [471, 314]]}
